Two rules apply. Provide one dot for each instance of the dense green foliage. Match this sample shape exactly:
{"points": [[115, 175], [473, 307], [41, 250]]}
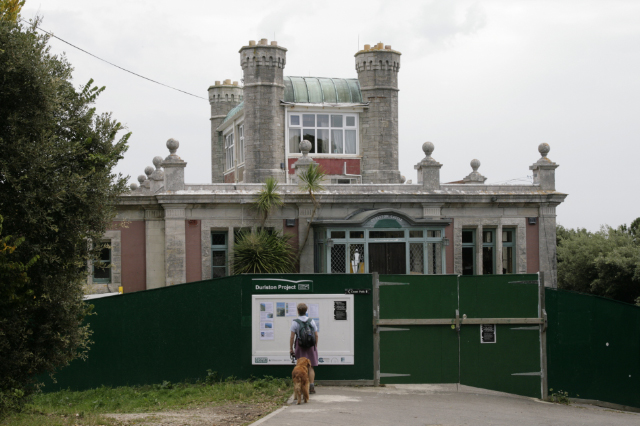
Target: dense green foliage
{"points": [[61, 407], [263, 252], [311, 183], [605, 263], [57, 195]]}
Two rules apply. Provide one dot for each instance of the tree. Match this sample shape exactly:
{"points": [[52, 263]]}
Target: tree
{"points": [[267, 199], [605, 263], [263, 252], [10, 10], [57, 195], [311, 182]]}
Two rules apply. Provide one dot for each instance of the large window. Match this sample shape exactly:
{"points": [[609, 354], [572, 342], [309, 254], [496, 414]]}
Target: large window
{"points": [[488, 251], [328, 133], [219, 255], [228, 150], [508, 246], [102, 267], [468, 251]]}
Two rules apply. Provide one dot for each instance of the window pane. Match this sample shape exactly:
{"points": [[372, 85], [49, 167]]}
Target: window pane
{"points": [[310, 135], [351, 121], [356, 234], [356, 252], [218, 272], [434, 258], [218, 258], [487, 260], [219, 239], [436, 234], [338, 252], [323, 141], [323, 120], [467, 236], [415, 234], [105, 254], [507, 236], [416, 258], [102, 272], [336, 141], [336, 121], [337, 234], [507, 260], [386, 234], [467, 260], [309, 120], [295, 120], [487, 236], [350, 146], [294, 140]]}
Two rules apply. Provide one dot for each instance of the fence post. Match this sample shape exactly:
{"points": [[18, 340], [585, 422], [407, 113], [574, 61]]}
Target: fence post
{"points": [[376, 333], [543, 335]]}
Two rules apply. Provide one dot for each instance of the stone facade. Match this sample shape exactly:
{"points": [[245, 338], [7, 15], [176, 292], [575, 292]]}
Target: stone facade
{"points": [[421, 228]]}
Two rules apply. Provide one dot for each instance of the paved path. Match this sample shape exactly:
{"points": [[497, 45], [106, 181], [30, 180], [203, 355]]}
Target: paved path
{"points": [[431, 405]]}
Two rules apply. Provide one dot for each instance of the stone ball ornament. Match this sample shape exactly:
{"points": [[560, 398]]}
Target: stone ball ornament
{"points": [[305, 146], [133, 186], [173, 145], [428, 148], [475, 164], [149, 170], [141, 179], [157, 161], [544, 149]]}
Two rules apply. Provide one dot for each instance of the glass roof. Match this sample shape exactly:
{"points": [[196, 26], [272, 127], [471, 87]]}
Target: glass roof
{"points": [[322, 90]]}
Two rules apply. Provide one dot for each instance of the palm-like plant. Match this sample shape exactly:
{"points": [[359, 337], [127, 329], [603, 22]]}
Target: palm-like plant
{"points": [[263, 252], [310, 181], [267, 199]]}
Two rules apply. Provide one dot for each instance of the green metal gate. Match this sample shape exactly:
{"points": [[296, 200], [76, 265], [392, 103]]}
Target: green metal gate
{"points": [[482, 331]]}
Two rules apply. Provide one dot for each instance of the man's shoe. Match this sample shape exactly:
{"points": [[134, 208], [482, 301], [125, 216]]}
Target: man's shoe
{"points": [[312, 388]]}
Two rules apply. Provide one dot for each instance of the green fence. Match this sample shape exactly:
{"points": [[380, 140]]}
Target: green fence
{"points": [[177, 333], [593, 347]]}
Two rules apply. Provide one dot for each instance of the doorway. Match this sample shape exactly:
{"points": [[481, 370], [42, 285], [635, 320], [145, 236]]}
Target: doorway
{"points": [[388, 258]]}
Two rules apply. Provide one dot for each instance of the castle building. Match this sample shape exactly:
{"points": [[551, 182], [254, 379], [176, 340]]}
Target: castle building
{"points": [[368, 219]]}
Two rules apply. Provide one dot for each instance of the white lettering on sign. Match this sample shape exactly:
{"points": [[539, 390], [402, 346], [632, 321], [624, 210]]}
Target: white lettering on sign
{"points": [[282, 287]]}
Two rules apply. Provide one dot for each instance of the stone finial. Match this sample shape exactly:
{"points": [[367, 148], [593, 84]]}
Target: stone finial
{"points": [[148, 171], [544, 170], [305, 161], [173, 145], [158, 173], [157, 161], [141, 179], [133, 186], [305, 147], [474, 176], [428, 169]]}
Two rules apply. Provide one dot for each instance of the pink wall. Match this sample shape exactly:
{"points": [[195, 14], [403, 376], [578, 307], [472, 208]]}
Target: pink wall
{"points": [[134, 257], [229, 177], [533, 248], [193, 250], [332, 166], [448, 233]]}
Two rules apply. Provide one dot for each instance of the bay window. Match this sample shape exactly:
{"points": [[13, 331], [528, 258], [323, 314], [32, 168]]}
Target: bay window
{"points": [[328, 133]]}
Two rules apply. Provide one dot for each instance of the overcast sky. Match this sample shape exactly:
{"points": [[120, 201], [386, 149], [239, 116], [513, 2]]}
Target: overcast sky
{"points": [[480, 79]]}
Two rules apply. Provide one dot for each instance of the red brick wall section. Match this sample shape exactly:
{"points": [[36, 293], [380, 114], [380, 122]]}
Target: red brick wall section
{"points": [[193, 250], [294, 241], [333, 166], [448, 233], [134, 257], [533, 247], [229, 178]]}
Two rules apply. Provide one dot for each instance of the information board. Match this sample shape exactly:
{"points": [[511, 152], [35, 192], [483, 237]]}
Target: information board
{"points": [[271, 318]]}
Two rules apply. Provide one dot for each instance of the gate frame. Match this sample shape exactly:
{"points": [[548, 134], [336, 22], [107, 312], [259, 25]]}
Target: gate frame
{"points": [[458, 322]]}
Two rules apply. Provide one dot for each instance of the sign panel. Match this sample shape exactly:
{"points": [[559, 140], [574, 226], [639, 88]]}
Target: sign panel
{"points": [[487, 333], [272, 315]]}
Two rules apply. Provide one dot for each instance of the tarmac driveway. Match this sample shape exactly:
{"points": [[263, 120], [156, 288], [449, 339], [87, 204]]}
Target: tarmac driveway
{"points": [[430, 405]]}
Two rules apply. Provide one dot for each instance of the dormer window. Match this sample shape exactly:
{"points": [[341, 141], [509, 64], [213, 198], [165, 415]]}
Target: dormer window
{"points": [[328, 133]]}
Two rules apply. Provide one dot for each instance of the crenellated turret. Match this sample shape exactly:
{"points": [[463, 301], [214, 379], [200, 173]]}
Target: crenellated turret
{"points": [[223, 97]]}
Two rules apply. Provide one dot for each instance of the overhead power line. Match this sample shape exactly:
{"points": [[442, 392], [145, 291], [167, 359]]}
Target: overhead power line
{"points": [[112, 64]]}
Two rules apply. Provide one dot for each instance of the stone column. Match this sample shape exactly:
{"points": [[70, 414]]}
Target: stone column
{"points": [[174, 168], [479, 266], [175, 244], [304, 222], [428, 169], [544, 173], [154, 244], [547, 245], [499, 250]]}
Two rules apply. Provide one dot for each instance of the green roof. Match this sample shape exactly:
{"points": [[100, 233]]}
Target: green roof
{"points": [[317, 90], [233, 112]]}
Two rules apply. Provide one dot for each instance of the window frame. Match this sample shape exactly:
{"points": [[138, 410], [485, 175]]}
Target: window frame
{"points": [[220, 248], [472, 246], [229, 148], [511, 245], [301, 127], [491, 245], [104, 244], [240, 145]]}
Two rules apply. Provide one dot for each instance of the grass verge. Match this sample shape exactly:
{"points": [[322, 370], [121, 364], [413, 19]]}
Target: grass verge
{"points": [[87, 407]]}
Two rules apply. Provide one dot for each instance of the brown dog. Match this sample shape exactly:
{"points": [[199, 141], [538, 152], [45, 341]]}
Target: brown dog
{"points": [[300, 378]]}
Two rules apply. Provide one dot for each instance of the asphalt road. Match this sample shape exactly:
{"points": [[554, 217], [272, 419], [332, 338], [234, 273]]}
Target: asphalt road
{"points": [[441, 405]]}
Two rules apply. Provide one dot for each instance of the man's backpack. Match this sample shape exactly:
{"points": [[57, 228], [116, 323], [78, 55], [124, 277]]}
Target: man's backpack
{"points": [[306, 337]]}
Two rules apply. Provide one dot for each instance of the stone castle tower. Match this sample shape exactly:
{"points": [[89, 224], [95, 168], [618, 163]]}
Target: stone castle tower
{"points": [[263, 66], [378, 75], [223, 98]]}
